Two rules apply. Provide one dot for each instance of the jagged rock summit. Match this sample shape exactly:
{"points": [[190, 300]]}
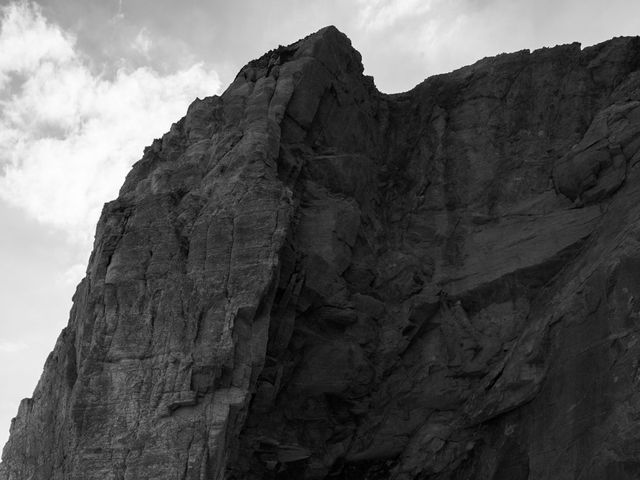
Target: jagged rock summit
{"points": [[308, 279]]}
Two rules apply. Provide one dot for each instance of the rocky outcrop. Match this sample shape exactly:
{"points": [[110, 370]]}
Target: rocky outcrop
{"points": [[307, 278]]}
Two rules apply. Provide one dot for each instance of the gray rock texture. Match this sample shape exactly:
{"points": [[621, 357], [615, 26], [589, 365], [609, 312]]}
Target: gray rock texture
{"points": [[307, 279]]}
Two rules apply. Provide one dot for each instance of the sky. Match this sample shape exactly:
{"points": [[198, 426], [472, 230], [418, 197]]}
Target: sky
{"points": [[85, 85]]}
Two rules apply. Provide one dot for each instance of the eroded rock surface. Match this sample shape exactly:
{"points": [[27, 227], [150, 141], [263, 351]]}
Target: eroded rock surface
{"points": [[307, 278]]}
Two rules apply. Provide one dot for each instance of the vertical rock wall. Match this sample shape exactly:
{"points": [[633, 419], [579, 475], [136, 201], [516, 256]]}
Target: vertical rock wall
{"points": [[306, 278]]}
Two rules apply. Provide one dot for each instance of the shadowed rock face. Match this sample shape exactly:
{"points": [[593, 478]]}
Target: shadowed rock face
{"points": [[307, 278]]}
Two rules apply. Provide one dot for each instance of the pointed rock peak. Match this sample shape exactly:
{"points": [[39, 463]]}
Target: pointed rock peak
{"points": [[333, 48], [329, 37], [328, 31], [328, 45]]}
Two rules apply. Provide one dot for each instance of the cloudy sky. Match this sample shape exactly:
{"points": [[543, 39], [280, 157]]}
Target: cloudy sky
{"points": [[86, 84]]}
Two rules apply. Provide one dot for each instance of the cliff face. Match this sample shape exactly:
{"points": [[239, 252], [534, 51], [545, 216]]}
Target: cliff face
{"points": [[306, 278]]}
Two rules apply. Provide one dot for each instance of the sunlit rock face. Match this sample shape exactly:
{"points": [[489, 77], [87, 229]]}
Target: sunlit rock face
{"points": [[307, 279]]}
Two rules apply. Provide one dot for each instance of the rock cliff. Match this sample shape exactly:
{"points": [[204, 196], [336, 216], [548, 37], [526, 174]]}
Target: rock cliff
{"points": [[307, 278]]}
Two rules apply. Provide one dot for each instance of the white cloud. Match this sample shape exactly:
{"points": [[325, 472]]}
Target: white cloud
{"points": [[142, 43], [380, 14], [21, 41], [119, 15], [11, 347], [68, 136]]}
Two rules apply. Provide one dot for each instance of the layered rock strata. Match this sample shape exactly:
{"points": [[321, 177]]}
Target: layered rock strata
{"points": [[307, 278]]}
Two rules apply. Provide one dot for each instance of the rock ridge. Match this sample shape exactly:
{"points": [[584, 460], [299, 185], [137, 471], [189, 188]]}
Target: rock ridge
{"points": [[307, 278]]}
